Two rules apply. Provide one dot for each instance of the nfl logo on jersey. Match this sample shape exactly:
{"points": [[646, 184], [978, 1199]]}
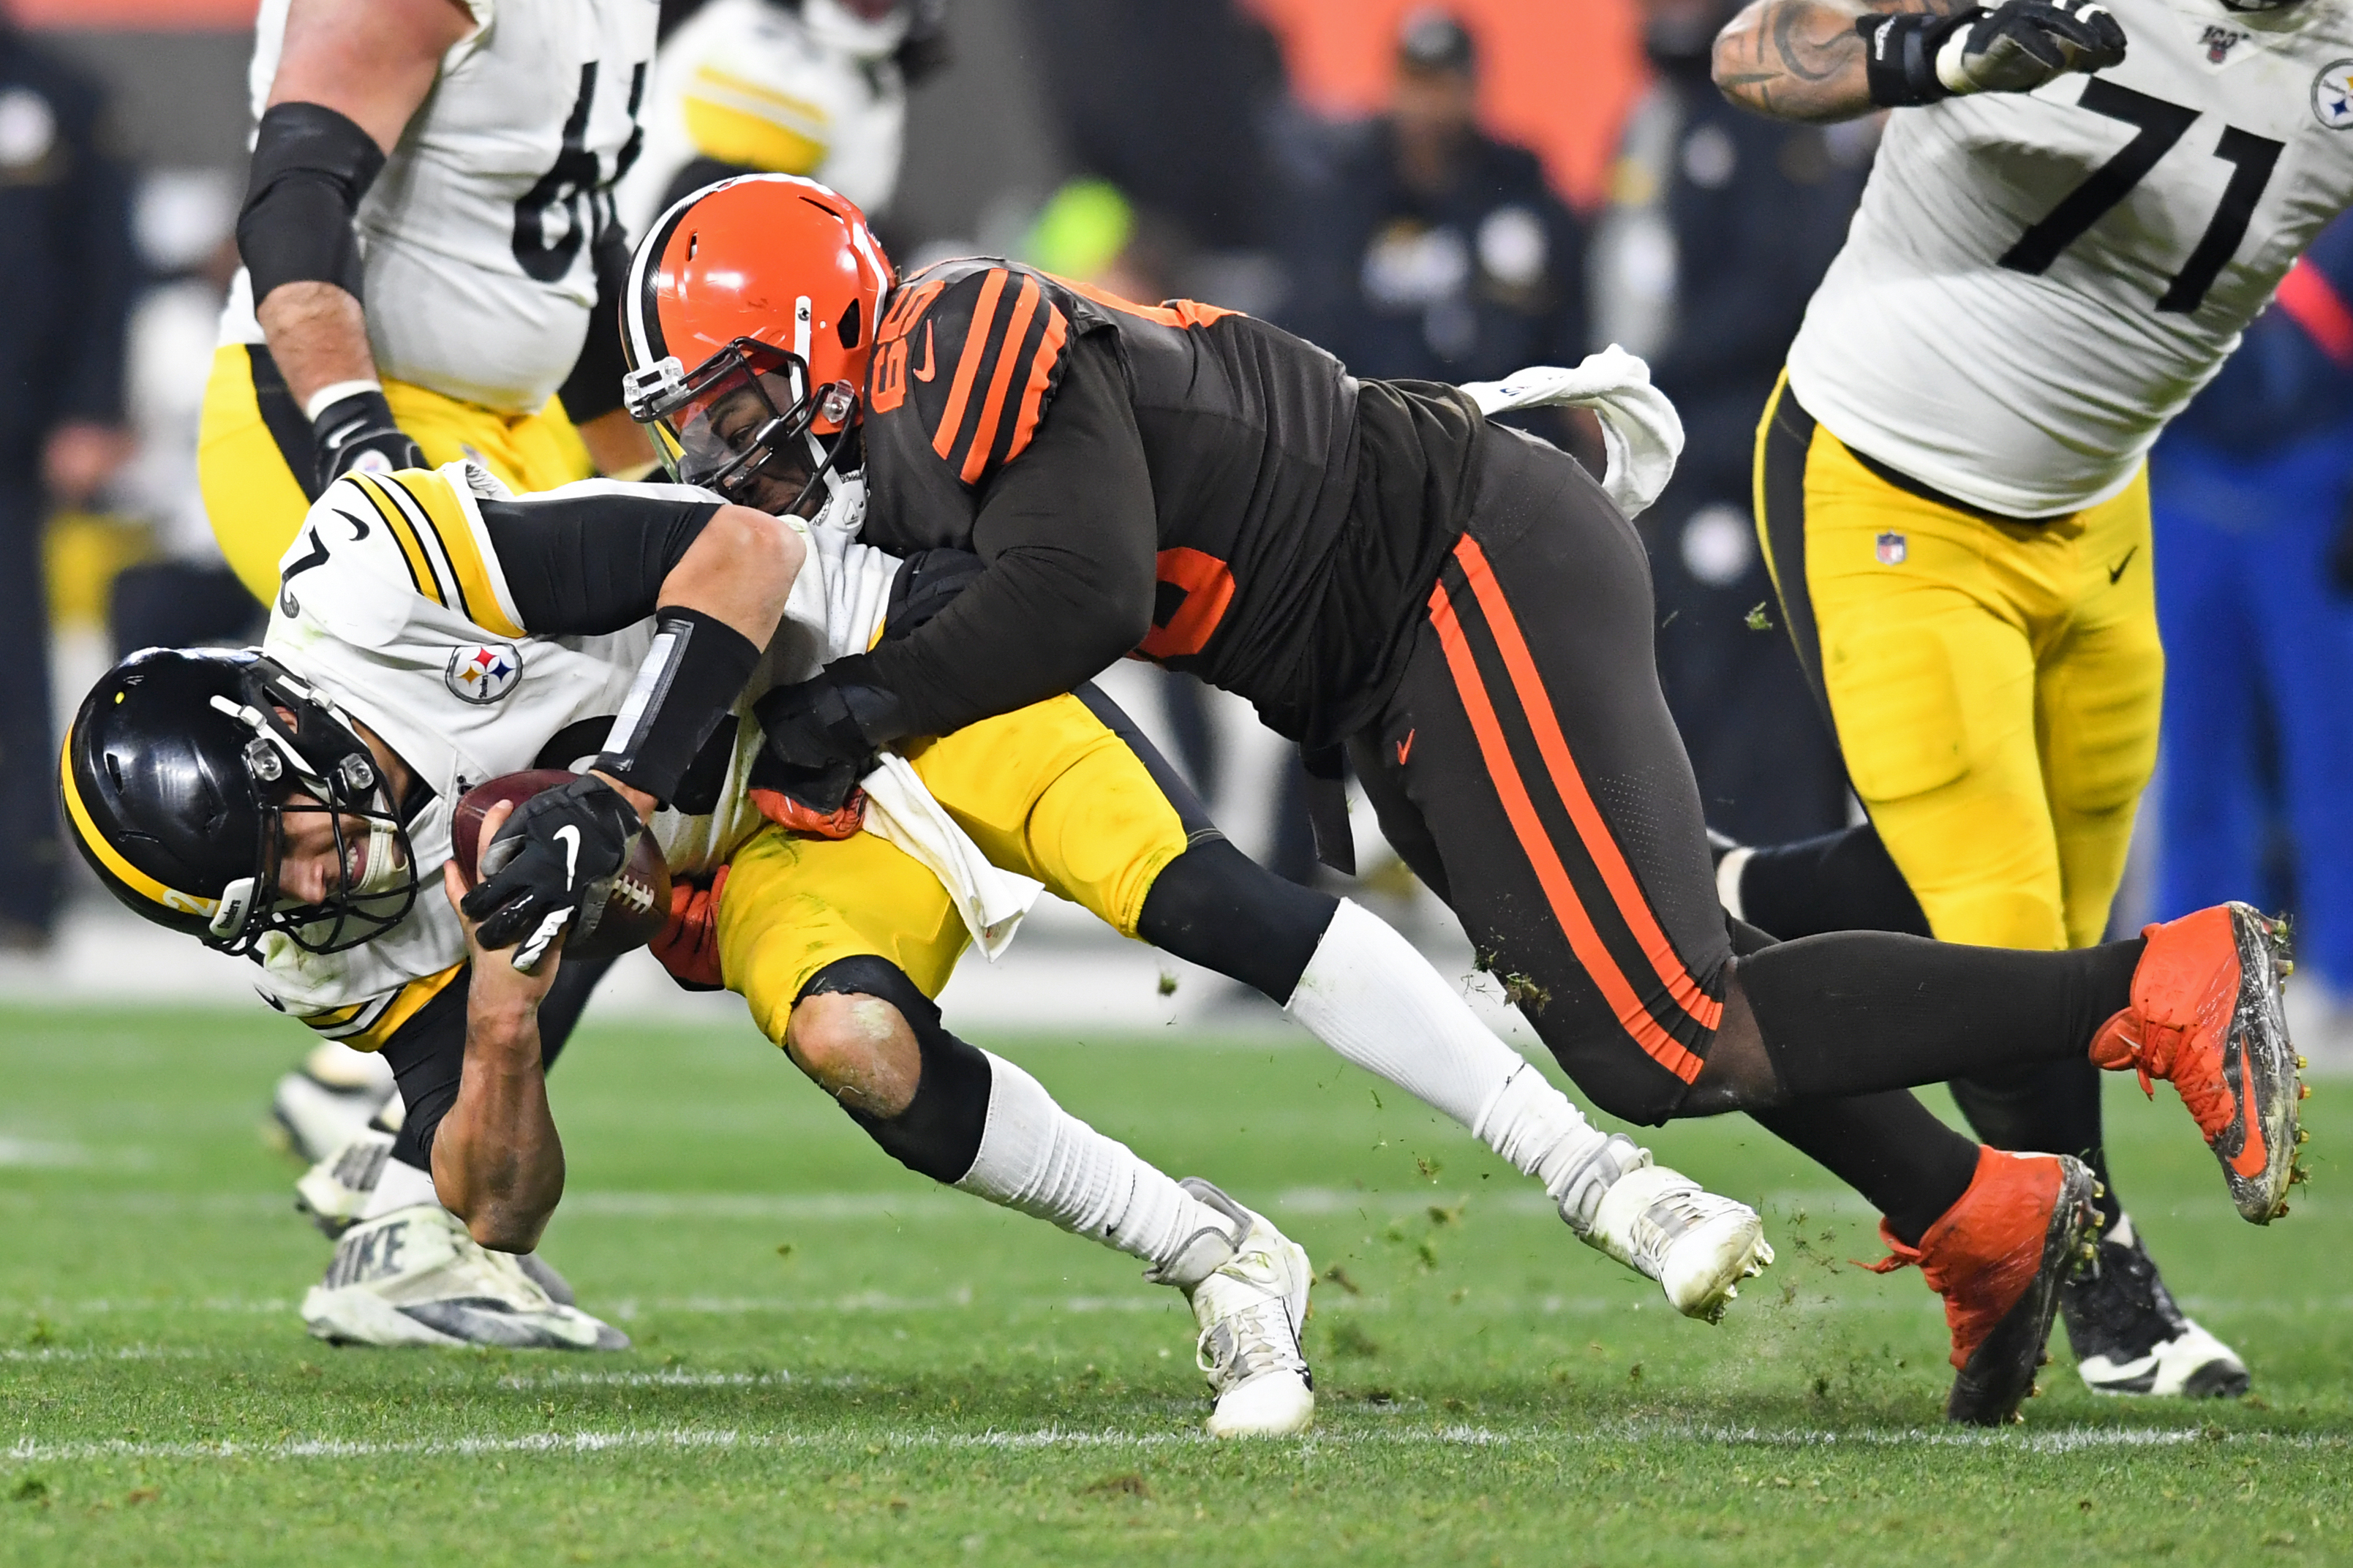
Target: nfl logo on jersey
{"points": [[1892, 550], [483, 673]]}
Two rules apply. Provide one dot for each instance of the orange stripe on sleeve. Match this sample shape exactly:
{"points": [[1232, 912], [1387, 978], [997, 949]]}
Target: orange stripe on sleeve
{"points": [[992, 412], [1042, 376], [1583, 939], [984, 314], [1536, 703]]}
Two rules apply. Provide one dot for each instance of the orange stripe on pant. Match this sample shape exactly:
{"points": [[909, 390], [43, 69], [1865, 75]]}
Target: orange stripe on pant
{"points": [[1583, 939], [1608, 859]]}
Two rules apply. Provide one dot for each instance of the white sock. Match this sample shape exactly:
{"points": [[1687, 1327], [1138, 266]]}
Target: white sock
{"points": [[401, 1186], [1039, 1159], [1370, 996], [1729, 872]]}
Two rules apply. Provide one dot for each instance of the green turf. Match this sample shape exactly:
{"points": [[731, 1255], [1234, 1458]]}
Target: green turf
{"points": [[838, 1362]]}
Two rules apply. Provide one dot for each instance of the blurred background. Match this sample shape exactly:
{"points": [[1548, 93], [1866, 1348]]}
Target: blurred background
{"points": [[1445, 193]]}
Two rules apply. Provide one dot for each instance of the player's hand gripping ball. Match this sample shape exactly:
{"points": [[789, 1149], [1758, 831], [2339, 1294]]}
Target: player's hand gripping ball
{"points": [[571, 864], [2020, 45]]}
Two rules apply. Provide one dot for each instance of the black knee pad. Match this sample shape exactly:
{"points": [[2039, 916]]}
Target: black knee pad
{"points": [[939, 1133], [1215, 907]]}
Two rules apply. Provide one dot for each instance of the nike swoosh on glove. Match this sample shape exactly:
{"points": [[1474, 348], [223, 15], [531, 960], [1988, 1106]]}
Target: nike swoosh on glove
{"points": [[2021, 44], [821, 737], [561, 846], [357, 433]]}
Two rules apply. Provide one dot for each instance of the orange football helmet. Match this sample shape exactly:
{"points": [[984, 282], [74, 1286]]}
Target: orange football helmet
{"points": [[751, 311]]}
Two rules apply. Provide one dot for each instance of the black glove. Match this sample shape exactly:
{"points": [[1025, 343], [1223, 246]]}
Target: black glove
{"points": [[560, 846], [2015, 47], [822, 737], [357, 432]]}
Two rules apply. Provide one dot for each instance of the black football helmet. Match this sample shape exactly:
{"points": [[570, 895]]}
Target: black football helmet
{"points": [[177, 775]]}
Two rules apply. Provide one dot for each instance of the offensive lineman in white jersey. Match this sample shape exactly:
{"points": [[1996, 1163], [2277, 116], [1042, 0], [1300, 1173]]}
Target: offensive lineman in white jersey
{"points": [[2075, 210], [816, 88], [423, 234], [439, 631]]}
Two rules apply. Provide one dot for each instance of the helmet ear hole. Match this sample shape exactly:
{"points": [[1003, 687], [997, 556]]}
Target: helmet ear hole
{"points": [[850, 326]]}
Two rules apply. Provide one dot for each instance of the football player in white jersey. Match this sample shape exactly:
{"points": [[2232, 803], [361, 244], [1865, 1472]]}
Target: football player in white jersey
{"points": [[782, 86], [431, 632], [423, 233], [2075, 210]]}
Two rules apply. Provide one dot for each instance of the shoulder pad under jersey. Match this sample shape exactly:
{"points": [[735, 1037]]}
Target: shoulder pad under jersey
{"points": [[971, 351]]}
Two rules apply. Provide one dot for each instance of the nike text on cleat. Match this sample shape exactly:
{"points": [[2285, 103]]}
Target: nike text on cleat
{"points": [[1250, 1309], [1998, 1257], [413, 1276], [2206, 1016], [1668, 1228], [335, 1191], [2130, 1338]]}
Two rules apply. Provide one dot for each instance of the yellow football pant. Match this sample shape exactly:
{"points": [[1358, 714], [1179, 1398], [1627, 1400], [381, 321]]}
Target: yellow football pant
{"points": [[1995, 686], [1050, 791], [254, 459]]}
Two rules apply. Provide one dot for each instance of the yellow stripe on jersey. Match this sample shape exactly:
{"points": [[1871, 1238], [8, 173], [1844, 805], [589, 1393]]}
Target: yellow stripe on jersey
{"points": [[373, 1033], [110, 857], [477, 594], [739, 121], [397, 524]]}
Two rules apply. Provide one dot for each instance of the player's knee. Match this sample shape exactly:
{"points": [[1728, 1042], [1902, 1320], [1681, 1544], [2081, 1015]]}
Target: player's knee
{"points": [[858, 1047]]}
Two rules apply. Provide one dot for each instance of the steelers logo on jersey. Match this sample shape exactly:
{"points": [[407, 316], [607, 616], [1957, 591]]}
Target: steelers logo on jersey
{"points": [[2332, 95], [482, 672]]}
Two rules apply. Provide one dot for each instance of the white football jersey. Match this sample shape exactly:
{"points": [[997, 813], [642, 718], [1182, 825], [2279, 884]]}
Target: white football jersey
{"points": [[395, 606], [476, 238], [2035, 283], [756, 84]]}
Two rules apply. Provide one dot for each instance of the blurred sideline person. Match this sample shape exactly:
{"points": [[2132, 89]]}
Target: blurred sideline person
{"points": [[67, 272], [2074, 213], [2252, 489], [782, 86], [1464, 608], [329, 760], [426, 230], [1436, 252], [1717, 227]]}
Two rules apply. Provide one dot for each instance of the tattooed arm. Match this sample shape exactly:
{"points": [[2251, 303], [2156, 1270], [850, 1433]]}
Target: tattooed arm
{"points": [[1802, 59]]}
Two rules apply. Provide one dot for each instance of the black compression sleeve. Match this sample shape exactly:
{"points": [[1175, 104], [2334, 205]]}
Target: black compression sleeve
{"points": [[310, 167], [1071, 537], [589, 564]]}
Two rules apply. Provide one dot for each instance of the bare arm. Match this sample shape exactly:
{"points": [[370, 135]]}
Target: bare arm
{"points": [[1802, 59], [372, 61], [498, 1163]]}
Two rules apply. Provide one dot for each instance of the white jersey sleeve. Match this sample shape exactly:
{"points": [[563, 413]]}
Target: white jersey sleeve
{"points": [[2035, 284], [477, 239], [746, 83]]}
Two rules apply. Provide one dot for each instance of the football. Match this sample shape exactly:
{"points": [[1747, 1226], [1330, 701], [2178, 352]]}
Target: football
{"points": [[635, 904]]}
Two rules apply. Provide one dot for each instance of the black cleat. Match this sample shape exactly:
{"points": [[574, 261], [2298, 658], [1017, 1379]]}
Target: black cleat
{"points": [[2130, 1338]]}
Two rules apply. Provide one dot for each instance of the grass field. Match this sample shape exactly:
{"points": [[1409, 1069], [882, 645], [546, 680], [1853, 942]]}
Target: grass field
{"points": [[837, 1362]]}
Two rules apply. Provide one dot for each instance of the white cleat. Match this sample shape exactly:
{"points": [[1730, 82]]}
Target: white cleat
{"points": [[334, 1192], [1665, 1226], [330, 1099], [1251, 1308], [415, 1277]]}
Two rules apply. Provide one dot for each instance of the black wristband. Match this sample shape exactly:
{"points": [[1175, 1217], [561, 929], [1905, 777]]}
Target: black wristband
{"points": [[690, 676], [1900, 55], [310, 167]]}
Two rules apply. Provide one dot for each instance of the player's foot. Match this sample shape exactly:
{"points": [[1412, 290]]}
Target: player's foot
{"points": [[2206, 1016], [335, 1191], [413, 1276], [329, 1100], [1667, 1227], [2130, 1337], [1998, 1257], [1251, 1308]]}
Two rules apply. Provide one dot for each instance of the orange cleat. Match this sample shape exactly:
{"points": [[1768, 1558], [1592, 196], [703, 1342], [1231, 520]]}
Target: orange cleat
{"points": [[2206, 1016], [1997, 1257]]}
